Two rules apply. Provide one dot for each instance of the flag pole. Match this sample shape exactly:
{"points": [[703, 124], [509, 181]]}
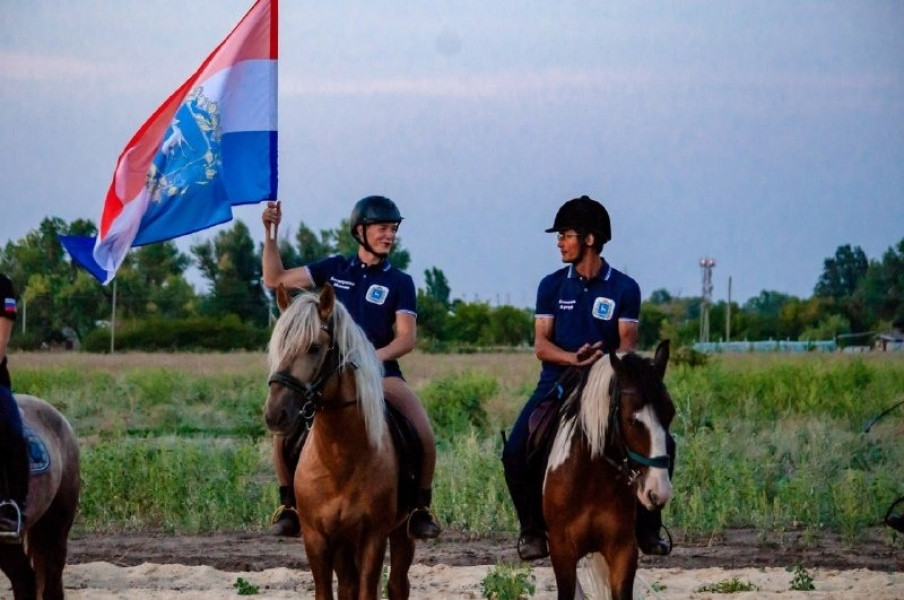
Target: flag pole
{"points": [[113, 320]]}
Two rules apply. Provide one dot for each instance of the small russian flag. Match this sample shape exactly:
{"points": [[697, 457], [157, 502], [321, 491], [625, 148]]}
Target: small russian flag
{"points": [[9, 305]]}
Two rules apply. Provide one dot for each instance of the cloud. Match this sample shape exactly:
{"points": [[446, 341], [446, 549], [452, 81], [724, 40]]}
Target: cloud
{"points": [[29, 67]]}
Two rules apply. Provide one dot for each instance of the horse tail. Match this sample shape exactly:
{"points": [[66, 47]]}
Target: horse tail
{"points": [[593, 576]]}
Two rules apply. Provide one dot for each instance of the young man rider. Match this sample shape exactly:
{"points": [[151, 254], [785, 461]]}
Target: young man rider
{"points": [[584, 310]]}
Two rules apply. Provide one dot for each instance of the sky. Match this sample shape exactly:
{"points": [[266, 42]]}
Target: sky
{"points": [[762, 134]]}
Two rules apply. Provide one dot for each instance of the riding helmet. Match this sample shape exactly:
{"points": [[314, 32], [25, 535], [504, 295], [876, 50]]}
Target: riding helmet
{"points": [[373, 209], [583, 214]]}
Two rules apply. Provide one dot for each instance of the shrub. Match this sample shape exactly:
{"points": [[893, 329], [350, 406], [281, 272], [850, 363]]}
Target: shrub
{"points": [[455, 404]]}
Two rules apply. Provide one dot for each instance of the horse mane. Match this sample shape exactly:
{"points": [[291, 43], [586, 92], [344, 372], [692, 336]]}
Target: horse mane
{"points": [[595, 405], [299, 325]]}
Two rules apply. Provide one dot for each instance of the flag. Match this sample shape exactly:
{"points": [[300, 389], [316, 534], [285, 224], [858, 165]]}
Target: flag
{"points": [[211, 145]]}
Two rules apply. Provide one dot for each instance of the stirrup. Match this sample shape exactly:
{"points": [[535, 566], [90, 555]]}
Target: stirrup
{"points": [[277, 514], [11, 536], [430, 514]]}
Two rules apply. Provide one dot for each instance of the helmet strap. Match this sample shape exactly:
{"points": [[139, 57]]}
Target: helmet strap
{"points": [[362, 241]]}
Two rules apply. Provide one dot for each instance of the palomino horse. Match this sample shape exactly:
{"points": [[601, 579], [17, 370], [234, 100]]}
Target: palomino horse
{"points": [[35, 567], [609, 450], [325, 371]]}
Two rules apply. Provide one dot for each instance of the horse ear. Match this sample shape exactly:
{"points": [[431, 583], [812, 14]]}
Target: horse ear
{"points": [[327, 302], [282, 298], [614, 360], [661, 358]]}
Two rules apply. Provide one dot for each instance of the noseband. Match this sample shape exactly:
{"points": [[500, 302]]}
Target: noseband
{"points": [[312, 393], [627, 462]]}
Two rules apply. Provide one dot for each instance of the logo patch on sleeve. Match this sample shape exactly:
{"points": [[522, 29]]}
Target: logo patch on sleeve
{"points": [[603, 308], [377, 294]]}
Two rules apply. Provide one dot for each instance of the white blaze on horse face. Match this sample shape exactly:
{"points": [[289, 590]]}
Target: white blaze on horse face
{"points": [[656, 488]]}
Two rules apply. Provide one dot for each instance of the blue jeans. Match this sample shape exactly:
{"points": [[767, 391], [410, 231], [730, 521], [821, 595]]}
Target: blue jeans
{"points": [[13, 450]]}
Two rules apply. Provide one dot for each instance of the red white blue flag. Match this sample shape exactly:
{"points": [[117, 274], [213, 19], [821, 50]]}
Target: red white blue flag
{"points": [[211, 145]]}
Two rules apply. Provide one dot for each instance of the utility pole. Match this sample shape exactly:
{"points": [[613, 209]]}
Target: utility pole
{"points": [[707, 265], [728, 313]]}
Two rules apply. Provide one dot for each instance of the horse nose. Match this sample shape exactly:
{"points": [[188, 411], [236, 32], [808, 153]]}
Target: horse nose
{"points": [[276, 419]]}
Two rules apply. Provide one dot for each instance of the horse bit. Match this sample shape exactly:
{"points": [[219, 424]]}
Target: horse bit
{"points": [[628, 456], [312, 393]]}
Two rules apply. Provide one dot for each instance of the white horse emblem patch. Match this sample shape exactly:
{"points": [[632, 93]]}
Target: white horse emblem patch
{"points": [[377, 294], [603, 308]]}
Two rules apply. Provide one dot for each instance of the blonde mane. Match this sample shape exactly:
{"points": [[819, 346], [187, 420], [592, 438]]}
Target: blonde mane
{"points": [[299, 325]]}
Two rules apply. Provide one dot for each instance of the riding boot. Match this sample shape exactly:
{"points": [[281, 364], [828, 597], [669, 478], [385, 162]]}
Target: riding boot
{"points": [[284, 522], [421, 522], [649, 524], [532, 543]]}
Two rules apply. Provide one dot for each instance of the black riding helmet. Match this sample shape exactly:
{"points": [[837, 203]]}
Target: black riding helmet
{"points": [[584, 215], [370, 210]]}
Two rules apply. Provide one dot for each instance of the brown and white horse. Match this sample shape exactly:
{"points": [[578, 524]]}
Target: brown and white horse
{"points": [[325, 372], [35, 567], [610, 451]]}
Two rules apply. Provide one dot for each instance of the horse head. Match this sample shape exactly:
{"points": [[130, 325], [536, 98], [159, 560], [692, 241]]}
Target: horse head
{"points": [[303, 357], [320, 360], [640, 414]]}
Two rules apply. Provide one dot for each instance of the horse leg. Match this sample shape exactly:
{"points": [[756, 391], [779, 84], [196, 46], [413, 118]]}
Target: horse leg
{"points": [[321, 565], [401, 555], [622, 570], [564, 561], [347, 574], [16, 566], [370, 566], [48, 543]]}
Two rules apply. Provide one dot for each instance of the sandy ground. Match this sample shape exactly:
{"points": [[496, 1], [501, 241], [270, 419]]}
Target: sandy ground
{"points": [[142, 566]]}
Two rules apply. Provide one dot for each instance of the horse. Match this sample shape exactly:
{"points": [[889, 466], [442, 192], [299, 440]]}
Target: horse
{"points": [[325, 372], [610, 448], [35, 566]]}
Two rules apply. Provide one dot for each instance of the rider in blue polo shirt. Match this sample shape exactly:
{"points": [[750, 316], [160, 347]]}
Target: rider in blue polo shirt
{"points": [[13, 447], [383, 302], [584, 310]]}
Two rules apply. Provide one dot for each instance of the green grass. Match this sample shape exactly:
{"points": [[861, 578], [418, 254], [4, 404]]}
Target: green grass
{"points": [[774, 443]]}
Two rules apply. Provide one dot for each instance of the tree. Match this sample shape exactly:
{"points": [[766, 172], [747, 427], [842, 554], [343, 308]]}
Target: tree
{"points": [[841, 274], [881, 291], [433, 306], [311, 248], [233, 268]]}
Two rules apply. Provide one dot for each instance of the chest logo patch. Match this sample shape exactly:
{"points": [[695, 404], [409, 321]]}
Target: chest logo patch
{"points": [[603, 309], [377, 294]]}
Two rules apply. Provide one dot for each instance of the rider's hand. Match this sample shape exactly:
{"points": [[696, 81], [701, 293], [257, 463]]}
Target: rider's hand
{"points": [[588, 354], [272, 215]]}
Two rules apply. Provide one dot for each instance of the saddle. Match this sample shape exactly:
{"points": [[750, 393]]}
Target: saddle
{"points": [[407, 447], [543, 425]]}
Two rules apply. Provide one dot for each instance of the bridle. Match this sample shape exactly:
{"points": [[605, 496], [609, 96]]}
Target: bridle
{"points": [[627, 462], [312, 393]]}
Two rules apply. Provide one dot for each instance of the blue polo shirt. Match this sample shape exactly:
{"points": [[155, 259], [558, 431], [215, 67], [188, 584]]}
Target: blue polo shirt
{"points": [[585, 311], [372, 294]]}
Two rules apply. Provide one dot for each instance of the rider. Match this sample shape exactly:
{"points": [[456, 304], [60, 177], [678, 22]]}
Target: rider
{"points": [[13, 447], [382, 301], [584, 310]]}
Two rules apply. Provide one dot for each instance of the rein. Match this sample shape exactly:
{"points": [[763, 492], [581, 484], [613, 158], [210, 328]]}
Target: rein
{"points": [[629, 462], [312, 393]]}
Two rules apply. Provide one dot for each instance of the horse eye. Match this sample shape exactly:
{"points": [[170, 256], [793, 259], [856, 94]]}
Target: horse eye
{"points": [[314, 349]]}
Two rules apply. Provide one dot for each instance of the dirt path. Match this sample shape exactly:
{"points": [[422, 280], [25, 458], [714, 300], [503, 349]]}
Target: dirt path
{"points": [[256, 552], [210, 567]]}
